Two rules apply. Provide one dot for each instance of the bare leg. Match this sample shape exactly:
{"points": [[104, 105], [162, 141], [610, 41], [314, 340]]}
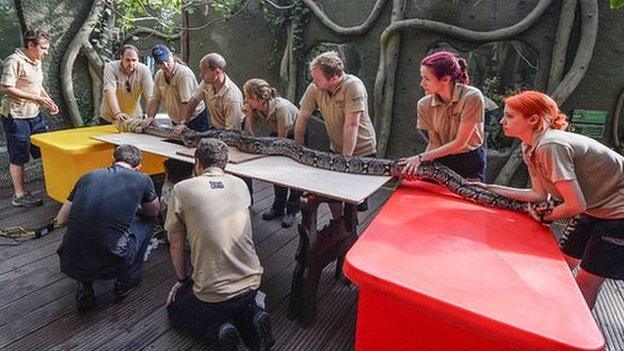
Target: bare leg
{"points": [[590, 286], [17, 176], [571, 261]]}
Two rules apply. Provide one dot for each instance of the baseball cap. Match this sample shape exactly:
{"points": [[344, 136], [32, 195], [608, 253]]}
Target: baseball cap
{"points": [[160, 53]]}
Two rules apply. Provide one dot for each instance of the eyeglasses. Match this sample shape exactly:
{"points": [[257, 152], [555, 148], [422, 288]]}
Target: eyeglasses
{"points": [[128, 86]]}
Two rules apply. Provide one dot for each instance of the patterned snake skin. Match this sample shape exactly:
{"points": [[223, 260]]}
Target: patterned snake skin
{"points": [[430, 171]]}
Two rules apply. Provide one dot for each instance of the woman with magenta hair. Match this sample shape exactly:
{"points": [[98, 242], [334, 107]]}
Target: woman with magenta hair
{"points": [[586, 176], [452, 113]]}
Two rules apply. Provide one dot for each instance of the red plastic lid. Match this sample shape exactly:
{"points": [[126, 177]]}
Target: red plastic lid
{"points": [[492, 271]]}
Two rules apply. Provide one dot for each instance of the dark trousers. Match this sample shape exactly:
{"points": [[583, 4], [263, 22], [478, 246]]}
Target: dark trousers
{"points": [[18, 132], [201, 123], [205, 318], [141, 231], [280, 203], [470, 165]]}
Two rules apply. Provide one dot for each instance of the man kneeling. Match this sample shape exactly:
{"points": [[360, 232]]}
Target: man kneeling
{"points": [[211, 212], [110, 215]]}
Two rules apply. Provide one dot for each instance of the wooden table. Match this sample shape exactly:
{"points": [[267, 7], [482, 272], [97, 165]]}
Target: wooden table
{"points": [[317, 248]]}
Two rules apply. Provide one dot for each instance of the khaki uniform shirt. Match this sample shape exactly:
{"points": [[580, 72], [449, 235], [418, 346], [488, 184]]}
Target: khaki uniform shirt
{"points": [[178, 90], [213, 210], [441, 120], [557, 155], [141, 84], [26, 75], [350, 96], [225, 106], [282, 114]]}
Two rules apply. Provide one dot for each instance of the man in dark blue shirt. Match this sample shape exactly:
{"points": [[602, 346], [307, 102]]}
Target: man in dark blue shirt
{"points": [[109, 216]]}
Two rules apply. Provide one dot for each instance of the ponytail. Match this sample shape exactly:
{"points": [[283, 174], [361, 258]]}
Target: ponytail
{"points": [[530, 103], [445, 63]]}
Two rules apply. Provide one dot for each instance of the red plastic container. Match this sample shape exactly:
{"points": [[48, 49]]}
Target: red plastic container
{"points": [[436, 272]]}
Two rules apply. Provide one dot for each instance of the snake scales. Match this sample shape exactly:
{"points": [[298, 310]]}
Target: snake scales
{"points": [[430, 171]]}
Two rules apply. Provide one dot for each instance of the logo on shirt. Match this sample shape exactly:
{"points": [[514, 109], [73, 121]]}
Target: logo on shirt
{"points": [[217, 185]]}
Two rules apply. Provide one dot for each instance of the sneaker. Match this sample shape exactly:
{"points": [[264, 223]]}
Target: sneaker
{"points": [[228, 337], [85, 297], [262, 335], [271, 213], [26, 200], [288, 220], [123, 288]]}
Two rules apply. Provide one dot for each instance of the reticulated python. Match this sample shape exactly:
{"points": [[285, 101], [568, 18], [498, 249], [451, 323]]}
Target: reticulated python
{"points": [[431, 171]]}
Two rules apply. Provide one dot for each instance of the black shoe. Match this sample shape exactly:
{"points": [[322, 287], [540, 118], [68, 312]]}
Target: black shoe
{"points": [[85, 297], [229, 338], [271, 213], [363, 207], [262, 335], [123, 288], [288, 220]]}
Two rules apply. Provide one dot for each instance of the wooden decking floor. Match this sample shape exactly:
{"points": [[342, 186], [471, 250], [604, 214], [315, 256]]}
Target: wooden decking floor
{"points": [[37, 309]]}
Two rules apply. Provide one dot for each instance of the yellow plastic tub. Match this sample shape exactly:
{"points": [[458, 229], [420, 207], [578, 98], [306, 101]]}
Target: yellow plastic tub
{"points": [[68, 154]]}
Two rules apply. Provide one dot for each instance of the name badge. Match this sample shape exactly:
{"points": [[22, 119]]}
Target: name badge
{"points": [[216, 185]]}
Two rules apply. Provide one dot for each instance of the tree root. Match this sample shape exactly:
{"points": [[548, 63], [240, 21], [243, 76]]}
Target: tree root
{"points": [[357, 30], [584, 52], [557, 62], [392, 59], [381, 112], [589, 31], [615, 126], [67, 63]]}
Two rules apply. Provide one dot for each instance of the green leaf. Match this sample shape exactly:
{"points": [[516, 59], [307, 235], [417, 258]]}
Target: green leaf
{"points": [[617, 4]]}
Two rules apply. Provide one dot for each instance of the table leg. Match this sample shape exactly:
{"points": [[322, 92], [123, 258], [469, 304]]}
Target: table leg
{"points": [[316, 250]]}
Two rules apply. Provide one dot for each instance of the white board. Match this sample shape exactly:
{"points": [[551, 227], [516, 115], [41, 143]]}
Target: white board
{"points": [[352, 188]]}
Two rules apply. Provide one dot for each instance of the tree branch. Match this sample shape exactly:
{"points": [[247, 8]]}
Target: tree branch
{"points": [[385, 117], [67, 63], [392, 58], [357, 30], [557, 63], [584, 52]]}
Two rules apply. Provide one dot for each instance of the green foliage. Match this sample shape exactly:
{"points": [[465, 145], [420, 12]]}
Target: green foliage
{"points": [[9, 29], [85, 106], [166, 13], [280, 20], [492, 88], [617, 4]]}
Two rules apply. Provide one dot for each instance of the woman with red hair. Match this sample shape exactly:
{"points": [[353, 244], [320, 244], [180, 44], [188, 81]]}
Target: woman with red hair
{"points": [[586, 176], [452, 114]]}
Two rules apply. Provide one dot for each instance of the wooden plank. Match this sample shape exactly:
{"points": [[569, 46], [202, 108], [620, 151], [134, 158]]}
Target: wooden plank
{"points": [[64, 306], [352, 188], [159, 146], [147, 143], [141, 334], [234, 155], [93, 329]]}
